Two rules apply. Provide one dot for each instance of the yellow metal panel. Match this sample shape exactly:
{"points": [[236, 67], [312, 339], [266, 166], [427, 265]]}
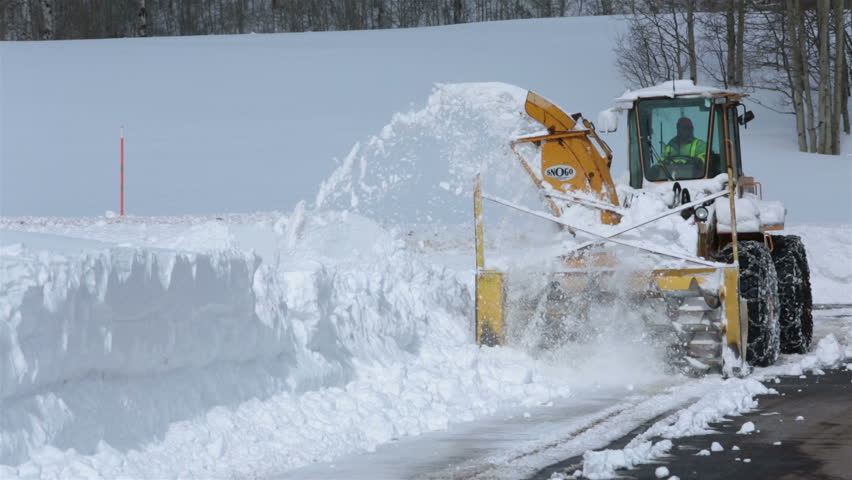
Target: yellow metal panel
{"points": [[490, 309], [737, 327], [672, 282], [683, 271], [569, 159], [548, 114]]}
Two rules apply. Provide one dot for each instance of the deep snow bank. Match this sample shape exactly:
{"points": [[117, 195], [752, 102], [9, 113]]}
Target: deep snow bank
{"points": [[113, 344], [93, 339], [146, 362]]}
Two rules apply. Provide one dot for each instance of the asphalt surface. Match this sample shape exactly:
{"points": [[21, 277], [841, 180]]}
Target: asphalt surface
{"points": [[817, 446]]}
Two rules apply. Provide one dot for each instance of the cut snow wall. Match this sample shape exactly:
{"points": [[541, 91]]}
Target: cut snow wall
{"points": [[115, 345]]}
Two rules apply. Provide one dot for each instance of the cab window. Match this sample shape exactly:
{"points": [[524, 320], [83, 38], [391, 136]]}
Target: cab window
{"points": [[674, 136]]}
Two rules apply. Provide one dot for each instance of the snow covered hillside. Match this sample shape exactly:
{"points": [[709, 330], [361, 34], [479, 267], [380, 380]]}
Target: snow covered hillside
{"points": [[339, 321], [253, 122]]}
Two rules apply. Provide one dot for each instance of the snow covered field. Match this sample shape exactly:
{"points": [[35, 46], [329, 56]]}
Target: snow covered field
{"points": [[253, 345], [254, 122]]}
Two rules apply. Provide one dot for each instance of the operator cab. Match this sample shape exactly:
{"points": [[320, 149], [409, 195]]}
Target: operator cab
{"points": [[678, 131]]}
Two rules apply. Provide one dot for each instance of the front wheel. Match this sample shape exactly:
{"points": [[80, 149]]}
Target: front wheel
{"points": [[794, 293], [759, 288]]}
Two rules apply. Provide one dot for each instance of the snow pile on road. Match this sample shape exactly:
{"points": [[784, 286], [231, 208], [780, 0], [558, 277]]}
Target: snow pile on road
{"points": [[829, 352], [732, 396], [603, 464]]}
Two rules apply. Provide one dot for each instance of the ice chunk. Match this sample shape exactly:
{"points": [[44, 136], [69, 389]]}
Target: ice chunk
{"points": [[661, 472], [829, 351], [716, 447], [748, 427]]}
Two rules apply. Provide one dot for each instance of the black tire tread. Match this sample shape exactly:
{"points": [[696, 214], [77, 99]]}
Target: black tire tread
{"points": [[759, 288], [794, 293]]}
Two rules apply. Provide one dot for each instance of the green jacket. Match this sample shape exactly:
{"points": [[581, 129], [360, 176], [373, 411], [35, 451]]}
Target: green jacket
{"points": [[695, 148]]}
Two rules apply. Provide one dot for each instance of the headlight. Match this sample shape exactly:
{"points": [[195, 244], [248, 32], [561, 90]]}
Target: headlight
{"points": [[701, 213]]}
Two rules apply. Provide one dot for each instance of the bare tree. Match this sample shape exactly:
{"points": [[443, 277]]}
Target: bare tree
{"points": [[740, 43], [657, 45], [47, 19], [690, 26], [796, 73], [732, 43], [843, 49], [142, 20], [840, 87], [824, 85]]}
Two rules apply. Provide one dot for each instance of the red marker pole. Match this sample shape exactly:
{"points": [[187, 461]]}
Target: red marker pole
{"points": [[122, 170]]}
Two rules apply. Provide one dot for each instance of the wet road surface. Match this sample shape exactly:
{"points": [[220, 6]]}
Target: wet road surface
{"points": [[816, 446]]}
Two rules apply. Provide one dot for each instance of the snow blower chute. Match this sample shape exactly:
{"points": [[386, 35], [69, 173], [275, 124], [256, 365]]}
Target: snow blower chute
{"points": [[735, 293]]}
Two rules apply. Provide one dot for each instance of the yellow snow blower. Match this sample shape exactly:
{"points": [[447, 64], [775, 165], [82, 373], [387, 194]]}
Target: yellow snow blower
{"points": [[734, 294]]}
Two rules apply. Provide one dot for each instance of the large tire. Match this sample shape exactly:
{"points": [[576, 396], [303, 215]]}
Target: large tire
{"points": [[794, 293], [759, 288]]}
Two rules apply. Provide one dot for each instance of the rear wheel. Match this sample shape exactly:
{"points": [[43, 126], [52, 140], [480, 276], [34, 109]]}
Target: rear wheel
{"points": [[794, 293], [759, 288]]}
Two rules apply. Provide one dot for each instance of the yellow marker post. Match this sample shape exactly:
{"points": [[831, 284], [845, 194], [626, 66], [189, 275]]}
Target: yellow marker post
{"points": [[489, 284], [480, 229]]}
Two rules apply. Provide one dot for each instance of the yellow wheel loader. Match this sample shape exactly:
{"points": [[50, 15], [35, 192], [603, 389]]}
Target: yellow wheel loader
{"points": [[732, 293]]}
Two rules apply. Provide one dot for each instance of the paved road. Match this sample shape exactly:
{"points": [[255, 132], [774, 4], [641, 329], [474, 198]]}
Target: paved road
{"points": [[453, 453], [817, 447]]}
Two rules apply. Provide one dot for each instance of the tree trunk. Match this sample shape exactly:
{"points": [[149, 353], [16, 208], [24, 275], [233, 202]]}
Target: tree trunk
{"points": [[25, 28], [678, 44], [142, 20], [845, 104], [690, 26], [805, 73], [824, 129], [839, 67], [47, 31], [732, 46], [793, 13], [457, 11], [740, 43]]}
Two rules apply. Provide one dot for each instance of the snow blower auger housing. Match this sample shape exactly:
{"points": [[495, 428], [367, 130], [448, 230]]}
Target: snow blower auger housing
{"points": [[732, 293]]}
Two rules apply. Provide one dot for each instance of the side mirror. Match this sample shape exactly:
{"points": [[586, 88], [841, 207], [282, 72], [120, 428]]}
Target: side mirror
{"points": [[746, 117], [607, 121]]}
